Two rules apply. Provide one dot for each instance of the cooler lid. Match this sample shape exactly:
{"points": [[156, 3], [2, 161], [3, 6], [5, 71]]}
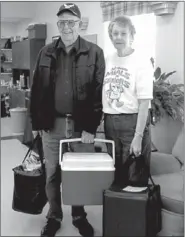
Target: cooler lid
{"points": [[87, 161]]}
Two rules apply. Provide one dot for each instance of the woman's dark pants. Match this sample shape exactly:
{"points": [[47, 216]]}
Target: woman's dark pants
{"points": [[121, 129]]}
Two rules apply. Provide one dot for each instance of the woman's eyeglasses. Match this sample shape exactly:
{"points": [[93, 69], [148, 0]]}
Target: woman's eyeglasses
{"points": [[70, 23]]}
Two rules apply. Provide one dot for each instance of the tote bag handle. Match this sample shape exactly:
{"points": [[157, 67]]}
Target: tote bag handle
{"points": [[39, 149]]}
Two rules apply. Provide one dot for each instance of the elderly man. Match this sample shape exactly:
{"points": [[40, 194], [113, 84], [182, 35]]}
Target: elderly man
{"points": [[67, 86]]}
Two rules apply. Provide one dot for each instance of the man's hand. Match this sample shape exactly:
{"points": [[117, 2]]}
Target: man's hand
{"points": [[87, 137], [35, 133]]}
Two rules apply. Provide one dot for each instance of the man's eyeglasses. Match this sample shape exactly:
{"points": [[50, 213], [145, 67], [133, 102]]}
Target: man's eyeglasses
{"points": [[70, 23]]}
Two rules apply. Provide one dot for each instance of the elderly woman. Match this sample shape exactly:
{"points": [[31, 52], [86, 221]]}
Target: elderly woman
{"points": [[127, 94]]}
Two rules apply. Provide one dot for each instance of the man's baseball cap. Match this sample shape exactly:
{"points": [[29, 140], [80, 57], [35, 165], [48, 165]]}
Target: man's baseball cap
{"points": [[71, 7]]}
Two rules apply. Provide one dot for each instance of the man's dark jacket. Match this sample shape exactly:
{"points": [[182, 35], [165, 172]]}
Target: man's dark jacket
{"points": [[88, 74]]}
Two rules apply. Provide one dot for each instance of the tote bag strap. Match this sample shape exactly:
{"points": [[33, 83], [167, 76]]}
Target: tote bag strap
{"points": [[40, 149], [37, 138], [150, 177]]}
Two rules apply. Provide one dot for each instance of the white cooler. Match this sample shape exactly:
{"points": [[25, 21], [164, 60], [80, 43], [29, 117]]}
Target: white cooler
{"points": [[86, 175]]}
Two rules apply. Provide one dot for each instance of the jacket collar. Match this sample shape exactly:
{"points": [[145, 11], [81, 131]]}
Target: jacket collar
{"points": [[76, 45], [82, 47]]}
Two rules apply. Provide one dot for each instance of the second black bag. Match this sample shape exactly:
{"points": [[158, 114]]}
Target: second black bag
{"points": [[131, 214], [29, 186], [138, 171]]}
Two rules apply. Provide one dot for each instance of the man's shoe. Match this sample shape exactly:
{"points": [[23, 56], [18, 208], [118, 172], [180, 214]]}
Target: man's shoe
{"points": [[51, 227], [84, 227]]}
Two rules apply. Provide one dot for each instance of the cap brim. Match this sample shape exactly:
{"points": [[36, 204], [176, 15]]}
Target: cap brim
{"points": [[67, 10]]}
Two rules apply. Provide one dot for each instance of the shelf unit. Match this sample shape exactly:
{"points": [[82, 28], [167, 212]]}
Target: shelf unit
{"points": [[24, 56], [6, 73], [6, 60], [5, 38], [6, 49]]}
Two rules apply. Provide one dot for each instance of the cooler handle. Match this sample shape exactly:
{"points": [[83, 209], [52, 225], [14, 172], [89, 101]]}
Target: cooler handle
{"points": [[79, 140]]}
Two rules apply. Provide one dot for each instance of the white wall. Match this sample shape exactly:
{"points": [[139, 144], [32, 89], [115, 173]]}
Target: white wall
{"points": [[8, 29], [94, 12], [15, 17], [17, 9], [22, 28], [170, 43]]}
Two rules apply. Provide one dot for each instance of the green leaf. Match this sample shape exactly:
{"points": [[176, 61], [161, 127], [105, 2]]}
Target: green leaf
{"points": [[169, 74], [167, 98], [152, 61], [162, 76], [157, 73]]}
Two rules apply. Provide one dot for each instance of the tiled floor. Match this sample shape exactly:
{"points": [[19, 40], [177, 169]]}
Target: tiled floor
{"points": [[19, 224]]}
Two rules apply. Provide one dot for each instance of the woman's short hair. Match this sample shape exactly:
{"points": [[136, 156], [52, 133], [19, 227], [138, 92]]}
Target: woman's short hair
{"points": [[123, 21]]}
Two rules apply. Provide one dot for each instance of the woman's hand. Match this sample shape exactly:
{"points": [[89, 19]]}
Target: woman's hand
{"points": [[135, 147]]}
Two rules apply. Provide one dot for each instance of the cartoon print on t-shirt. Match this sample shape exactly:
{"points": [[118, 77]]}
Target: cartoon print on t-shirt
{"points": [[114, 93], [116, 81]]}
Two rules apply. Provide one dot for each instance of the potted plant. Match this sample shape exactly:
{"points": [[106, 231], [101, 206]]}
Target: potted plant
{"points": [[167, 98]]}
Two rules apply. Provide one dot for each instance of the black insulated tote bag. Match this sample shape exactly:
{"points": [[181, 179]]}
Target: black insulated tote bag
{"points": [[29, 186]]}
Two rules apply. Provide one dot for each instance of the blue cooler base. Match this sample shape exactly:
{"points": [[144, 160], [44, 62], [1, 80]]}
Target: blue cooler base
{"points": [[85, 187]]}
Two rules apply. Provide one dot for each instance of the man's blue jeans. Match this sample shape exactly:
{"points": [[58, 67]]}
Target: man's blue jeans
{"points": [[53, 173], [121, 129]]}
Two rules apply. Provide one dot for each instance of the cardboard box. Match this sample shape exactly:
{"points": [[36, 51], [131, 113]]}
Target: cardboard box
{"points": [[37, 31]]}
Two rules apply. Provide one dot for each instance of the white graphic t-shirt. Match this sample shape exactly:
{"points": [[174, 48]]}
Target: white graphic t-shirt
{"points": [[126, 80]]}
